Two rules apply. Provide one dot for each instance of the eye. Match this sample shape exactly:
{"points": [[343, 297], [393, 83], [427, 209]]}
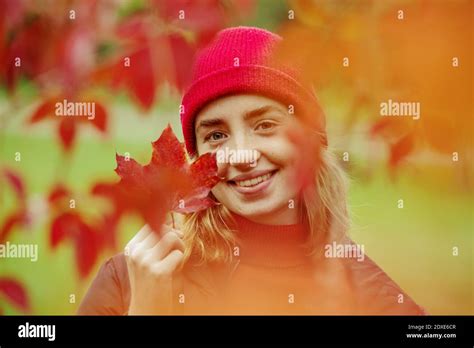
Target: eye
{"points": [[214, 136], [266, 126]]}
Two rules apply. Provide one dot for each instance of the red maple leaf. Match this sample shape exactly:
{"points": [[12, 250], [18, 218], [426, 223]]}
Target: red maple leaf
{"points": [[71, 226], [57, 194], [168, 152], [156, 46], [15, 293], [203, 18], [401, 149], [400, 138], [19, 216], [68, 125], [147, 63], [88, 235], [168, 183]]}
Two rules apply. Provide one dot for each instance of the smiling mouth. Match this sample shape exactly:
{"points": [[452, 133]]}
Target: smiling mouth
{"points": [[253, 181]]}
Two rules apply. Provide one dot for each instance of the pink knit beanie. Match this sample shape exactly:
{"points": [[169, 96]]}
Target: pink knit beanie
{"points": [[242, 60]]}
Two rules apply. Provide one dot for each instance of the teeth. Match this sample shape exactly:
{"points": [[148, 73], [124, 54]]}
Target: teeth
{"points": [[253, 181]]}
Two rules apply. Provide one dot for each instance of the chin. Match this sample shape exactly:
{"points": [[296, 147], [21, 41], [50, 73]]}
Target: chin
{"points": [[253, 212]]}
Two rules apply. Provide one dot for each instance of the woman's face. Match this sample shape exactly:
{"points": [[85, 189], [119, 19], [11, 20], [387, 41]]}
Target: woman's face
{"points": [[254, 155]]}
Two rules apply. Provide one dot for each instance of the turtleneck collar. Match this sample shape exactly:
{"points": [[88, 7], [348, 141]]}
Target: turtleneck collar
{"points": [[275, 246]]}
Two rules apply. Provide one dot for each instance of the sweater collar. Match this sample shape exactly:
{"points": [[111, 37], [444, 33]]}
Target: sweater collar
{"points": [[278, 246]]}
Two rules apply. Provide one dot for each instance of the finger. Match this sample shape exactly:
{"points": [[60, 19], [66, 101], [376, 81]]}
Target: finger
{"points": [[149, 242], [172, 261], [146, 238], [141, 235], [166, 245], [178, 232], [167, 229], [133, 243]]}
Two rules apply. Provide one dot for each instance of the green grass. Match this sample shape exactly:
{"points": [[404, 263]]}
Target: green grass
{"points": [[414, 245]]}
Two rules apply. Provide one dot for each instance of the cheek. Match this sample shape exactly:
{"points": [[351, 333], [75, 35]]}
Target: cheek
{"points": [[220, 192], [279, 151], [201, 148], [222, 169]]}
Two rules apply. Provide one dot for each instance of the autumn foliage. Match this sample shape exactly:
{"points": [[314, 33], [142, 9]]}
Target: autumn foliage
{"points": [[105, 49], [420, 54], [167, 183], [82, 51]]}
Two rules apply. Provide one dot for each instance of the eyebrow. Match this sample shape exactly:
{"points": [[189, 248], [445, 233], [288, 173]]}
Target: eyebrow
{"points": [[260, 111], [212, 122]]}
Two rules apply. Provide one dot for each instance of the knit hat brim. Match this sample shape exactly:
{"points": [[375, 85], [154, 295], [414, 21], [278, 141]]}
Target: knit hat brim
{"points": [[257, 79]]}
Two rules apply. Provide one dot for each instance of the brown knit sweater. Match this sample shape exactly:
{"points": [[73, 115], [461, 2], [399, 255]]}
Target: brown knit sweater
{"points": [[270, 275]]}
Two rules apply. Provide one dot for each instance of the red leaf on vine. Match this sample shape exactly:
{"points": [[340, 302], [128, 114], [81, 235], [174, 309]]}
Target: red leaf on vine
{"points": [[203, 18], [15, 293], [67, 133], [43, 111], [401, 149], [152, 56], [71, 226], [108, 226], [67, 125], [30, 39], [16, 218], [138, 77], [58, 193], [16, 183], [19, 215]]}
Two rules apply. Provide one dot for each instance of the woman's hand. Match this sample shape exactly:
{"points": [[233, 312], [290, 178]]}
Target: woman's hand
{"points": [[152, 258]]}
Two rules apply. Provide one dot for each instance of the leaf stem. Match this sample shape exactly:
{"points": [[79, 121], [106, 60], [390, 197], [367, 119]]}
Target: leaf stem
{"points": [[172, 219]]}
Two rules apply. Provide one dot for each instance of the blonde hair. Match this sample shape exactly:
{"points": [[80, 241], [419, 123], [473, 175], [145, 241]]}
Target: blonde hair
{"points": [[208, 237]]}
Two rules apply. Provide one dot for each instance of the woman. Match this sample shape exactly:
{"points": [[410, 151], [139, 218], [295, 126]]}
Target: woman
{"points": [[266, 248]]}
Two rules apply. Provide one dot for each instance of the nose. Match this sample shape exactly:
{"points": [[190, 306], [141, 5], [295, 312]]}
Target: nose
{"points": [[239, 153], [245, 159]]}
